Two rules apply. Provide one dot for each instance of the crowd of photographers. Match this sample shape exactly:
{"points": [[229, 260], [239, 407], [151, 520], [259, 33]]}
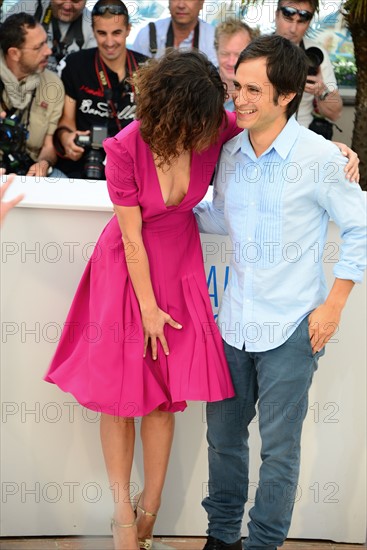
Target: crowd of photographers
{"points": [[66, 76]]}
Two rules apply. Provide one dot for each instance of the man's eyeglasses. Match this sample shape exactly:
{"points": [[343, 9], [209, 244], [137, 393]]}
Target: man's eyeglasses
{"points": [[36, 48], [289, 12], [113, 10]]}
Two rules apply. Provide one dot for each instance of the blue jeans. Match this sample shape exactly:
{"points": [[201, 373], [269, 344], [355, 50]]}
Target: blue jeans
{"points": [[278, 380]]}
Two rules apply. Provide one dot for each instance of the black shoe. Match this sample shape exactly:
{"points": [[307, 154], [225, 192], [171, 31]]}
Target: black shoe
{"points": [[216, 544]]}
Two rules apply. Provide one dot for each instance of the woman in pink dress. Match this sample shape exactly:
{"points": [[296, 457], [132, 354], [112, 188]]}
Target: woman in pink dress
{"points": [[140, 338]]}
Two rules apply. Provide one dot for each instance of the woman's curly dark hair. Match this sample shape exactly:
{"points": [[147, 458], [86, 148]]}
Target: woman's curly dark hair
{"points": [[179, 103]]}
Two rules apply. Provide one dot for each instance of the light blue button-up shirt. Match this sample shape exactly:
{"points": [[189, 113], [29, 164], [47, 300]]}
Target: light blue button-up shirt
{"points": [[276, 210], [229, 105]]}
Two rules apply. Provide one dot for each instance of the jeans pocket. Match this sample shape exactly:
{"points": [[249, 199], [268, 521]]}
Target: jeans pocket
{"points": [[318, 353]]}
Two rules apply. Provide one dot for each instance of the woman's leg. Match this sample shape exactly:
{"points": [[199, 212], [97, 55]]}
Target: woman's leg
{"points": [[157, 434], [118, 438]]}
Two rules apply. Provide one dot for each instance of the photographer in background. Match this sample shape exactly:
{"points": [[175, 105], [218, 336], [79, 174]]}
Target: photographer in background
{"points": [[321, 99], [231, 37], [184, 29], [31, 98], [100, 99], [67, 24]]}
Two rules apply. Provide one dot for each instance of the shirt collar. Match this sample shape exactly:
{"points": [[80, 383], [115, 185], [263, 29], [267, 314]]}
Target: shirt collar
{"points": [[282, 144]]}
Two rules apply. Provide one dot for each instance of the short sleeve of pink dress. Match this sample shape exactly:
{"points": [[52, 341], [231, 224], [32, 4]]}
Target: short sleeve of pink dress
{"points": [[121, 183], [108, 372]]}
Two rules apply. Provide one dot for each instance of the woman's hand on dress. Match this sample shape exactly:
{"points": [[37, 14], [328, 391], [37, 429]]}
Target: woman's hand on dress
{"points": [[153, 326]]}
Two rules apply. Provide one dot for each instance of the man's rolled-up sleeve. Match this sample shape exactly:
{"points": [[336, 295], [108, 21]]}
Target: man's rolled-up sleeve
{"points": [[346, 204]]}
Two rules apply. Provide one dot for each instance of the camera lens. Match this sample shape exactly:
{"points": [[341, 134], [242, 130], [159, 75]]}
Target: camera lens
{"points": [[315, 58], [13, 135], [93, 168]]}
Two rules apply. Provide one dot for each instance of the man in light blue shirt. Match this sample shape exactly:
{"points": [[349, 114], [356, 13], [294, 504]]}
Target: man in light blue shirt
{"points": [[276, 187], [184, 30]]}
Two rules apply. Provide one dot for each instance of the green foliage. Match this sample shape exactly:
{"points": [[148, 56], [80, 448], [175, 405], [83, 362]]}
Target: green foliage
{"points": [[345, 71]]}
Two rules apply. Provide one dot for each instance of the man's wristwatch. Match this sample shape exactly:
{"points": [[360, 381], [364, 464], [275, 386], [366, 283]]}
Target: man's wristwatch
{"points": [[324, 95]]}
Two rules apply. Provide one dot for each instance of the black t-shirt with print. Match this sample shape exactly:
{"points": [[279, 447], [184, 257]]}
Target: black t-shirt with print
{"points": [[81, 82]]}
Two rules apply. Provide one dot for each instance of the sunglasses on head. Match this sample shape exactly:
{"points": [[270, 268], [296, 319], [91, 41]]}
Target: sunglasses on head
{"points": [[289, 12], [113, 10]]}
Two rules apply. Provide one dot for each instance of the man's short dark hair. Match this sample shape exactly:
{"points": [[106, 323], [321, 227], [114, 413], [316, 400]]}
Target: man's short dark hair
{"points": [[286, 66], [313, 3], [112, 3], [14, 29]]}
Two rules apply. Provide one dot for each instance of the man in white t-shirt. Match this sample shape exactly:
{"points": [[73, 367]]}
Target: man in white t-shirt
{"points": [[293, 18], [182, 30]]}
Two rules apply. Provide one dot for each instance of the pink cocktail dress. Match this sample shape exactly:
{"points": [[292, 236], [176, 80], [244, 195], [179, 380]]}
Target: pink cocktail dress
{"points": [[99, 358]]}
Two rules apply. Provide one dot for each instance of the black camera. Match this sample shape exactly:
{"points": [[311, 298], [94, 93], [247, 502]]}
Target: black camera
{"points": [[315, 57], [93, 167], [13, 136]]}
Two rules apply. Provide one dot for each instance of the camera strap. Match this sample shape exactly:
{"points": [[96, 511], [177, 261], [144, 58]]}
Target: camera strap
{"points": [[39, 11], [153, 48], [12, 110], [302, 46], [29, 109], [2, 102], [74, 32], [105, 83]]}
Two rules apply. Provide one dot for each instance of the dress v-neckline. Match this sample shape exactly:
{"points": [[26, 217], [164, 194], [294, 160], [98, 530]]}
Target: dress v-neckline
{"points": [[168, 206]]}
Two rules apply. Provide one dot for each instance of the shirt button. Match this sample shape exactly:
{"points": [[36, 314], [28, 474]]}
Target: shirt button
{"points": [[252, 203], [249, 239]]}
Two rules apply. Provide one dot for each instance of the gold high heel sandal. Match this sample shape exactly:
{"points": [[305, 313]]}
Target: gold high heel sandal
{"points": [[147, 543], [115, 523]]}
